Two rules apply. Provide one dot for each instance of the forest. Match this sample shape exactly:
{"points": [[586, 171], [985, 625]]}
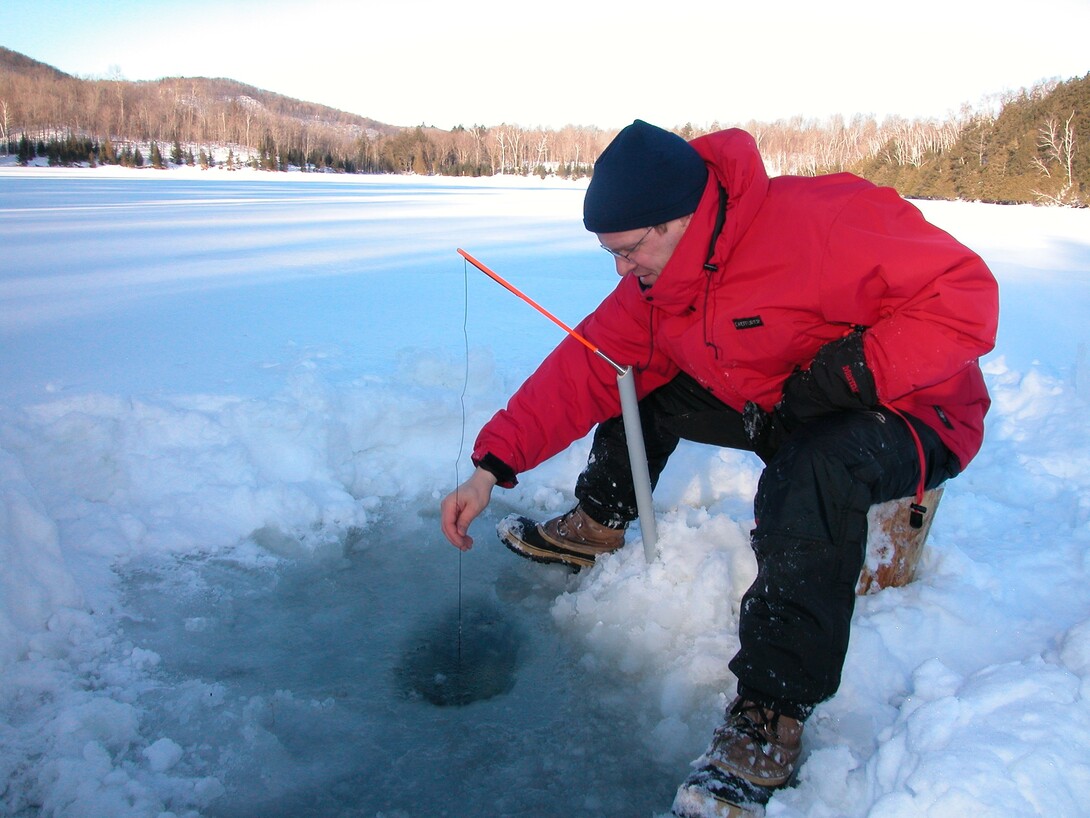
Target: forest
{"points": [[1017, 147]]}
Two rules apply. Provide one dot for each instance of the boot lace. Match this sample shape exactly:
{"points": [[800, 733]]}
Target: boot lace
{"points": [[752, 721]]}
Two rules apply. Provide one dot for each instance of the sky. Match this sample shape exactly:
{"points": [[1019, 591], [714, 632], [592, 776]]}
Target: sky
{"points": [[579, 62]]}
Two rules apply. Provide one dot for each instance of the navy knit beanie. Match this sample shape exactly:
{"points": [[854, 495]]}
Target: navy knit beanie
{"points": [[646, 176]]}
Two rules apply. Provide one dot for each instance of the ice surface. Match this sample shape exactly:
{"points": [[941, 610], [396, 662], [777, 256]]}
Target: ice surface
{"points": [[307, 687], [229, 405]]}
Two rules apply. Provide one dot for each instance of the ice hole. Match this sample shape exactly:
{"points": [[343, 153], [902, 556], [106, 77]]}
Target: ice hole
{"points": [[459, 659]]}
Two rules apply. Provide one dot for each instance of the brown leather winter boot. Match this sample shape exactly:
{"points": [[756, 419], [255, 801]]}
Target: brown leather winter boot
{"points": [[759, 745], [755, 752], [573, 538]]}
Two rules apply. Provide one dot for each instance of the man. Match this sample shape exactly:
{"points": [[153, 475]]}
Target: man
{"points": [[819, 322]]}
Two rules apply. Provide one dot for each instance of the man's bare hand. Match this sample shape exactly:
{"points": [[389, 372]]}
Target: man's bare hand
{"points": [[463, 505]]}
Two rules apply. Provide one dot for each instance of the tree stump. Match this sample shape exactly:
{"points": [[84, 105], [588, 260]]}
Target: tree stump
{"points": [[893, 545]]}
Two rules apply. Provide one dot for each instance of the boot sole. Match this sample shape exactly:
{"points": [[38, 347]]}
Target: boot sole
{"points": [[711, 792], [521, 535]]}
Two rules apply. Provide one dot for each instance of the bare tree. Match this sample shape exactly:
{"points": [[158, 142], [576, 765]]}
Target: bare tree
{"points": [[1057, 142], [499, 136], [542, 147], [513, 136]]}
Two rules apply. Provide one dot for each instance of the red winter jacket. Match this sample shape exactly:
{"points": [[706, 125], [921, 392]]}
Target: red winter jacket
{"points": [[800, 261]]}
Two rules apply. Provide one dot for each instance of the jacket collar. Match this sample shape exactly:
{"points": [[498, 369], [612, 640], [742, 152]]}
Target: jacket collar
{"points": [[735, 165]]}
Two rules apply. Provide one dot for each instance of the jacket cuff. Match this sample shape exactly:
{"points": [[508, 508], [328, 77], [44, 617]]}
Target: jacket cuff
{"points": [[504, 474]]}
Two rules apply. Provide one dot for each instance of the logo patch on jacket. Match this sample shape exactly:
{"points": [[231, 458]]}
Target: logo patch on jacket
{"points": [[748, 323]]}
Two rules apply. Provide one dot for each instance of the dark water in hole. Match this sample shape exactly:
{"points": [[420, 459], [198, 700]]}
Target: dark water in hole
{"points": [[324, 686], [468, 654]]}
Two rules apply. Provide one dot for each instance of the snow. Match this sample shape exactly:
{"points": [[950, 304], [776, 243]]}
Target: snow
{"points": [[229, 406]]}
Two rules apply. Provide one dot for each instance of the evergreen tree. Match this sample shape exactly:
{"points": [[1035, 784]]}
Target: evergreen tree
{"points": [[109, 155], [26, 150], [157, 157], [176, 153]]}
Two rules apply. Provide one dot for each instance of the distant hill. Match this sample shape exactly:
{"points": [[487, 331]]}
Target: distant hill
{"points": [[16, 63], [1029, 146], [1036, 148], [43, 102], [45, 112]]}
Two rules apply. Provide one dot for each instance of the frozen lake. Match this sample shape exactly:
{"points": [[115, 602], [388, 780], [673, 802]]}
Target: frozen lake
{"points": [[229, 406]]}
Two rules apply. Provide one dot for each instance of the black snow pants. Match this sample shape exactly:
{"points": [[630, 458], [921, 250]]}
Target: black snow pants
{"points": [[811, 524]]}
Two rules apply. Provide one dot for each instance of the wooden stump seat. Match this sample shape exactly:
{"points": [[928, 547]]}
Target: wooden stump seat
{"points": [[893, 546]]}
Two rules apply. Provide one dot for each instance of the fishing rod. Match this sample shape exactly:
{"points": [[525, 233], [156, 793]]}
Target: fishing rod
{"points": [[513, 289], [626, 386]]}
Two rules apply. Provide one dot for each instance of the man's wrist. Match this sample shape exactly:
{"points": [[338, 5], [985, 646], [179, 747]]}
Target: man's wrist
{"points": [[481, 474], [504, 474]]}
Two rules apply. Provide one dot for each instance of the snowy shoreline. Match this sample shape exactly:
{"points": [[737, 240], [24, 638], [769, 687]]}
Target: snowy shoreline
{"points": [[218, 399]]}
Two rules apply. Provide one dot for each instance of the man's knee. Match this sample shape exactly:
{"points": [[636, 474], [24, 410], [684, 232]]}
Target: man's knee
{"points": [[873, 447], [824, 479]]}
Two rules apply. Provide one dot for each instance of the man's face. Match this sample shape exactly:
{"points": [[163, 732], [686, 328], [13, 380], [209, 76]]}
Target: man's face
{"points": [[644, 252]]}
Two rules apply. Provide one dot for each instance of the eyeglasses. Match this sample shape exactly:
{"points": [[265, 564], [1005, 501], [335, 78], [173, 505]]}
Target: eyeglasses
{"points": [[626, 255]]}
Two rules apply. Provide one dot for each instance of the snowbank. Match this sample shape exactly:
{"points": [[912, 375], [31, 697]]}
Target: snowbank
{"points": [[211, 436]]}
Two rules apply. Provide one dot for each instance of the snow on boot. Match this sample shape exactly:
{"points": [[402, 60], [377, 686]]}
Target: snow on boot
{"points": [[710, 792], [754, 753], [572, 539]]}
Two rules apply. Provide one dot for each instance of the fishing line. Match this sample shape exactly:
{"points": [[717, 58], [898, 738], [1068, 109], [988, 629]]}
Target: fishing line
{"points": [[630, 412], [462, 438]]}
